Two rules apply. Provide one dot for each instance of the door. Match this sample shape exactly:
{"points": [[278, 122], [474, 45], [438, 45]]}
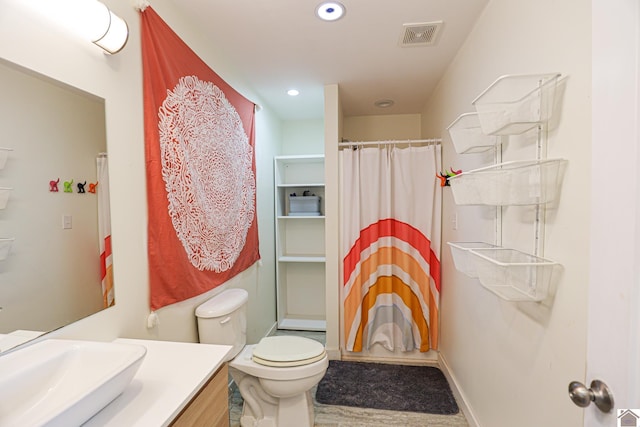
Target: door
{"points": [[613, 343]]}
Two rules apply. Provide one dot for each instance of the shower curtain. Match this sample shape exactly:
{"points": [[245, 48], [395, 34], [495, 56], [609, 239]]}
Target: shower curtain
{"points": [[391, 248], [104, 231]]}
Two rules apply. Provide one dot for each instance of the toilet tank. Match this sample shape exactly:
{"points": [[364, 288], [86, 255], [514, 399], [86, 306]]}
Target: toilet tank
{"points": [[222, 319]]}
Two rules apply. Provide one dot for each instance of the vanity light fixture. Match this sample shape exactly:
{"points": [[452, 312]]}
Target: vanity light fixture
{"points": [[88, 19], [115, 31], [293, 92], [330, 11]]}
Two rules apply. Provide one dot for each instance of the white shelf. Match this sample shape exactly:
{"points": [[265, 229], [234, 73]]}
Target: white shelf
{"points": [[299, 184], [300, 246], [299, 217], [303, 324], [301, 258]]}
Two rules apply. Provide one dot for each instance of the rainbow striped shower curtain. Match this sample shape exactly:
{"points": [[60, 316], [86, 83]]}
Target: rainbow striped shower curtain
{"points": [[391, 248]]}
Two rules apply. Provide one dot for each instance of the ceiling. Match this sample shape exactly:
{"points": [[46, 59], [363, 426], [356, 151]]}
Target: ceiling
{"points": [[276, 45]]}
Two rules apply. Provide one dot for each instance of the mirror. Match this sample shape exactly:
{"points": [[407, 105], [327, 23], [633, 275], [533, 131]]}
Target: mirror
{"points": [[51, 135]]}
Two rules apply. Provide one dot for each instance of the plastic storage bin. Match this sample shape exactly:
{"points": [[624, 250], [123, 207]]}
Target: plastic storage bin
{"points": [[462, 259], [513, 275], [467, 136], [523, 182], [304, 205], [514, 104], [4, 196], [5, 247]]}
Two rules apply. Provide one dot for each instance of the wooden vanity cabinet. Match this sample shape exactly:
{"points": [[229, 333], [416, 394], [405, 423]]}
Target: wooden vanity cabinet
{"points": [[210, 406]]}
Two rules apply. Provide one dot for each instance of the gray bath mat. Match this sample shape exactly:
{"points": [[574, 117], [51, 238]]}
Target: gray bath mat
{"points": [[381, 386]]}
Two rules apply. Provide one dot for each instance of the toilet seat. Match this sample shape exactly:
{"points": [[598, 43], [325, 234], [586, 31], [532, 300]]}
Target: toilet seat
{"points": [[287, 351], [244, 362]]}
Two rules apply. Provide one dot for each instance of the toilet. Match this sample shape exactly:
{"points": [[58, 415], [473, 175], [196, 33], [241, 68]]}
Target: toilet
{"points": [[275, 376]]}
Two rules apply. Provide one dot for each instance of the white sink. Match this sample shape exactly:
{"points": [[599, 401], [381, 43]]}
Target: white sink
{"points": [[63, 382]]}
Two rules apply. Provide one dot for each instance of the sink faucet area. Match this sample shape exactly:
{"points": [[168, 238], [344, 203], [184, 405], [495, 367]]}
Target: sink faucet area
{"points": [[59, 382]]}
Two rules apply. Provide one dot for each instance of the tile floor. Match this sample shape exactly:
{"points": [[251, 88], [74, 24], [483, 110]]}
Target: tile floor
{"points": [[343, 416]]}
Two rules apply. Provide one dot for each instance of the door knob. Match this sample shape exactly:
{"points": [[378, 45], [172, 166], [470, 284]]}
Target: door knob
{"points": [[598, 393]]}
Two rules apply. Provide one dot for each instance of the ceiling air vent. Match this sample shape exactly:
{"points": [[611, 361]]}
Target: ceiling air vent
{"points": [[423, 34]]}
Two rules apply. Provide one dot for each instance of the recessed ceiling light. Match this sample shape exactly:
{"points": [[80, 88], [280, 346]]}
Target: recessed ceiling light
{"points": [[384, 103], [330, 11], [293, 92]]}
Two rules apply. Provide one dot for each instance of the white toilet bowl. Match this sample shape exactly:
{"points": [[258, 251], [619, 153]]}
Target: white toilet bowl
{"points": [[278, 396], [274, 376]]}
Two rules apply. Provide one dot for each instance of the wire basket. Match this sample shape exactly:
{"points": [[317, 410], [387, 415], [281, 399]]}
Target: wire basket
{"points": [[513, 275], [523, 182], [514, 104], [462, 259], [467, 136]]}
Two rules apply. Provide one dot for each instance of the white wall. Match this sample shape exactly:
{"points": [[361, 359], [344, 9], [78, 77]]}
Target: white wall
{"points": [[30, 42], [302, 137], [513, 361], [382, 127], [332, 134]]}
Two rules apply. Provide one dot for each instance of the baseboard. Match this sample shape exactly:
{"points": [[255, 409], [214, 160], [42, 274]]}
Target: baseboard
{"points": [[377, 353], [333, 354], [457, 392], [389, 359]]}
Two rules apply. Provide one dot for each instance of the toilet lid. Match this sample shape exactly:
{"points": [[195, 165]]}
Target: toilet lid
{"points": [[286, 351]]}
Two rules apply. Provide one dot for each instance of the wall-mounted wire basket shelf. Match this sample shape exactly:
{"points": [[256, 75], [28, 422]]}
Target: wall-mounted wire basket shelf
{"points": [[467, 136], [514, 104], [522, 182], [5, 247]]}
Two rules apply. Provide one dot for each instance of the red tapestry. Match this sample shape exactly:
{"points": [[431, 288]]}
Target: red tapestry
{"points": [[200, 164]]}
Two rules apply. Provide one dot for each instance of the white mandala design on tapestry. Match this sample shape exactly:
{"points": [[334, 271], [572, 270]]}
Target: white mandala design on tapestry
{"points": [[207, 169]]}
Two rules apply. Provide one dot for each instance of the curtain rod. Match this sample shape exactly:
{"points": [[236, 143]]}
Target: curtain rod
{"points": [[432, 141]]}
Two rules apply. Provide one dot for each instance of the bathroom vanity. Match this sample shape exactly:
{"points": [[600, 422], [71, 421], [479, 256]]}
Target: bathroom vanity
{"points": [[178, 384]]}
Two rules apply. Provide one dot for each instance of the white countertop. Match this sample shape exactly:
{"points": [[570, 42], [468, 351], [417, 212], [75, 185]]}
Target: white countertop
{"points": [[170, 375]]}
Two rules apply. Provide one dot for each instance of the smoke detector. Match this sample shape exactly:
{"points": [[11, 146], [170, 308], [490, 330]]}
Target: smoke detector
{"points": [[420, 34]]}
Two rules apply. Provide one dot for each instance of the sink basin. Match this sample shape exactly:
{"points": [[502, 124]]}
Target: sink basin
{"points": [[63, 382], [16, 338]]}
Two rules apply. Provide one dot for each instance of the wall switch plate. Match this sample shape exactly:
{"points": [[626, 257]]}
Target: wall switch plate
{"points": [[67, 222]]}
